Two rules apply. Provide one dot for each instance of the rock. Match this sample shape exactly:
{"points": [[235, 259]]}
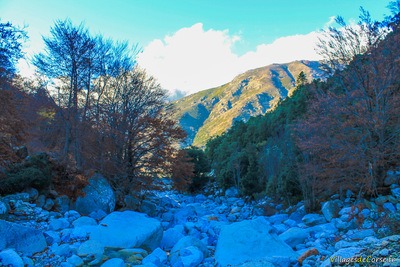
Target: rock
{"points": [[11, 258], [33, 194], [98, 196], [148, 207], [158, 257], [200, 198], [259, 263], [278, 218], [63, 250], [392, 178], [97, 215], [189, 257], [114, 263], [52, 237], [298, 214], [49, 204], [396, 192], [188, 251], [381, 199], [75, 260], [341, 254], [294, 236], [84, 220], [330, 209], [131, 203], [171, 236], [184, 215], [384, 252], [61, 204], [40, 201], [90, 247], [3, 208], [11, 199], [58, 224], [249, 241], [290, 223], [128, 229], [361, 234], [389, 207], [28, 261], [232, 192], [344, 244], [313, 219], [23, 239]]}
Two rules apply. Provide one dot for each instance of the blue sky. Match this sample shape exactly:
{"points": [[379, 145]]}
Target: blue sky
{"points": [[185, 41]]}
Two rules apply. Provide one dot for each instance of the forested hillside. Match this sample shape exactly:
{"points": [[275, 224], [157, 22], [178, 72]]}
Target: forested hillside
{"points": [[328, 136], [212, 112]]}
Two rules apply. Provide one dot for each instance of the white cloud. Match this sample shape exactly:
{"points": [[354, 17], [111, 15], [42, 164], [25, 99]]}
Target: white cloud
{"points": [[193, 59]]}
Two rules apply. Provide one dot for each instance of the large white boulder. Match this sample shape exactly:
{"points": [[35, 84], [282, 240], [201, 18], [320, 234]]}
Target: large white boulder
{"points": [[249, 241], [128, 229], [23, 239], [98, 196]]}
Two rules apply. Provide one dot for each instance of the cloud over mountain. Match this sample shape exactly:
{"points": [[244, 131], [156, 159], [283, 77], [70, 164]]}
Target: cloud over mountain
{"points": [[193, 58]]}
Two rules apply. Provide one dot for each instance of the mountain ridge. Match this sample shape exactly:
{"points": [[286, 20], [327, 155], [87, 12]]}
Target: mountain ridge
{"points": [[211, 112]]}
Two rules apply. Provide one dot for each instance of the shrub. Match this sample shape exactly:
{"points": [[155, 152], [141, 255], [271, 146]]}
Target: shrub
{"points": [[34, 172]]}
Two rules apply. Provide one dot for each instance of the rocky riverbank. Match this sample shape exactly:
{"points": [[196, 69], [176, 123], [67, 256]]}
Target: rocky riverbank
{"points": [[218, 229]]}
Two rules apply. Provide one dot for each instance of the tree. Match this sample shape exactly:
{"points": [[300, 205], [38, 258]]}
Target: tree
{"points": [[201, 168], [67, 58], [115, 117], [350, 137], [11, 39]]}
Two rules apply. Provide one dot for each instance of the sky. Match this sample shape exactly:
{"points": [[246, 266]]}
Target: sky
{"points": [[191, 45]]}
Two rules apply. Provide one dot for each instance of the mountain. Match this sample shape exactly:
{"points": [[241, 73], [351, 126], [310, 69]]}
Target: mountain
{"points": [[211, 112]]}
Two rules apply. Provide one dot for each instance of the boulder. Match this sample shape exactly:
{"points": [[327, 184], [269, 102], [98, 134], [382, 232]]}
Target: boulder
{"points": [[249, 241], [75, 260], [23, 239], [396, 192], [58, 224], [189, 257], [62, 203], [148, 207], [115, 262], [128, 229], [393, 177], [330, 209], [90, 247], [158, 257], [33, 193], [9, 257], [131, 203], [171, 236], [232, 192], [40, 201], [49, 204], [313, 219], [98, 196], [294, 236], [84, 220], [189, 251]]}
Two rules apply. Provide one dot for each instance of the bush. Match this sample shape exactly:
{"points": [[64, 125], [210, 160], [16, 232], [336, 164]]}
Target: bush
{"points": [[26, 177], [34, 172]]}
